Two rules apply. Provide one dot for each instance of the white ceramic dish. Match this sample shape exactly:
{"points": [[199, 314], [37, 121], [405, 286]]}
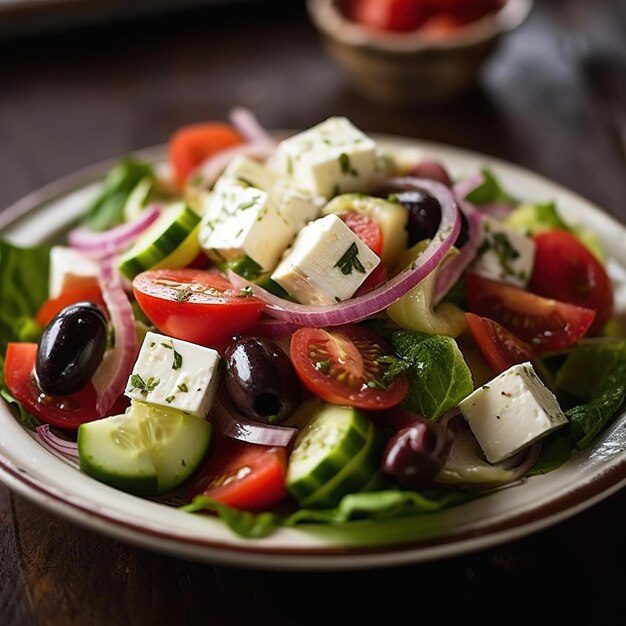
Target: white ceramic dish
{"points": [[508, 514]]}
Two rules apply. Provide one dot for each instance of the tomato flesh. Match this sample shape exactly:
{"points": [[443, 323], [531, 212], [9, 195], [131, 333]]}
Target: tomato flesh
{"points": [[544, 323], [83, 291], [195, 305], [340, 365], [566, 270], [500, 347], [366, 229], [66, 412], [243, 475], [190, 145]]}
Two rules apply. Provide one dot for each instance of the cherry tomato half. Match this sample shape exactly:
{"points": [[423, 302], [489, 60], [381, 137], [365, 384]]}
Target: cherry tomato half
{"points": [[242, 475], [366, 229], [66, 412], [84, 291], [543, 323], [566, 270], [190, 145], [394, 15], [195, 305], [340, 365], [500, 347]]}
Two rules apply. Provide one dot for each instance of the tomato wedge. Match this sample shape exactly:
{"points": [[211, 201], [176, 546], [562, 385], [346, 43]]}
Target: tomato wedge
{"points": [[66, 412], [340, 365], [86, 291], [195, 305], [190, 145], [566, 270], [500, 347], [242, 475], [543, 323], [366, 229]]}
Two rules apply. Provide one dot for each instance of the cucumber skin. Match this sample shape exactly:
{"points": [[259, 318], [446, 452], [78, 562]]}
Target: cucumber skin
{"points": [[352, 478], [306, 486]]}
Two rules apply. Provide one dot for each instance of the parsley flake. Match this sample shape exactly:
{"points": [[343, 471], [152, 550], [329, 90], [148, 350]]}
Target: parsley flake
{"points": [[346, 165], [350, 261], [144, 386]]}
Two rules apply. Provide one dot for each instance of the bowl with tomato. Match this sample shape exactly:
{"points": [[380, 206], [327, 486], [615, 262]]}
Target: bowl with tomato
{"points": [[414, 51]]}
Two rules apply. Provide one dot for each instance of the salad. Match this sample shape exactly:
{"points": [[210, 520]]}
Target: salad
{"points": [[316, 329]]}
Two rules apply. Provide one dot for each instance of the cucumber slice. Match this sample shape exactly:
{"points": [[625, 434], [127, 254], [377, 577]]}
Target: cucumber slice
{"points": [[172, 241], [147, 451], [353, 477], [325, 445]]}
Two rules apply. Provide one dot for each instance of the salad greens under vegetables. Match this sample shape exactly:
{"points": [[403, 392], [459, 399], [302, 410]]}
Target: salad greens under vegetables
{"points": [[310, 331]]}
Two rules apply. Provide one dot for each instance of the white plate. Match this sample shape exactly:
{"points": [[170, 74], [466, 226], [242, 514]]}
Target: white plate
{"points": [[508, 514]]}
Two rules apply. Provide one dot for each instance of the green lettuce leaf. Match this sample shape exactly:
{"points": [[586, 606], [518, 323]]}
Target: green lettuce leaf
{"points": [[490, 191], [23, 288], [589, 419], [107, 208], [243, 523], [439, 378], [587, 366]]}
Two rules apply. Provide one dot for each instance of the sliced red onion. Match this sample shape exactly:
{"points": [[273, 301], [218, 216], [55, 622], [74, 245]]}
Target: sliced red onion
{"points": [[231, 424], [112, 375], [273, 329], [497, 210], [248, 126], [51, 442], [467, 185], [432, 170], [454, 268], [357, 309], [115, 239], [209, 171]]}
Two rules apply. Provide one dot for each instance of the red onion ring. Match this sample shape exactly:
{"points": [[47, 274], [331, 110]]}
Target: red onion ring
{"points": [[113, 240], [357, 309], [454, 268], [432, 170], [248, 126], [231, 424], [51, 442], [112, 375], [467, 185]]}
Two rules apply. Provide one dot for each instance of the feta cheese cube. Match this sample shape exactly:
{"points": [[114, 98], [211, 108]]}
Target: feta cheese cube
{"points": [[504, 254], [69, 268], [330, 158], [175, 374], [512, 411], [326, 264], [244, 221], [247, 172], [298, 207]]}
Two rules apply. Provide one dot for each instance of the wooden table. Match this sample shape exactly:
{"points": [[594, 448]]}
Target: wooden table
{"points": [[71, 99]]}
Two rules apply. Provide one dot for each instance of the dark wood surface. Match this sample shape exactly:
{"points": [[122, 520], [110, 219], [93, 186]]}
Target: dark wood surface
{"points": [[552, 99]]}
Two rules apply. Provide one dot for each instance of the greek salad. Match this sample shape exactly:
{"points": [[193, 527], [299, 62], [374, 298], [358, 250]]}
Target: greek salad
{"points": [[312, 329]]}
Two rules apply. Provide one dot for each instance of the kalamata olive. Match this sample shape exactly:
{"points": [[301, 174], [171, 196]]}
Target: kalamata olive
{"points": [[425, 216], [416, 453], [260, 379], [71, 348]]}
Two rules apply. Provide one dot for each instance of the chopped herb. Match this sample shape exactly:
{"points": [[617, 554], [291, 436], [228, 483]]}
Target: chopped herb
{"points": [[290, 166], [350, 261], [183, 294], [170, 399], [183, 388], [485, 387], [323, 366], [239, 233], [503, 249], [144, 386], [246, 291], [178, 360], [392, 366], [337, 299], [169, 346], [152, 344], [393, 197], [249, 204], [376, 384], [346, 165], [246, 181]]}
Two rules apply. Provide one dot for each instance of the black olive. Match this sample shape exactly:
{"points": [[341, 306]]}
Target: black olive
{"points": [[71, 348], [425, 216], [416, 453], [260, 379]]}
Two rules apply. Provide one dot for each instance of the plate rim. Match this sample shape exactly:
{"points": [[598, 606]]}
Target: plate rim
{"points": [[566, 505]]}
